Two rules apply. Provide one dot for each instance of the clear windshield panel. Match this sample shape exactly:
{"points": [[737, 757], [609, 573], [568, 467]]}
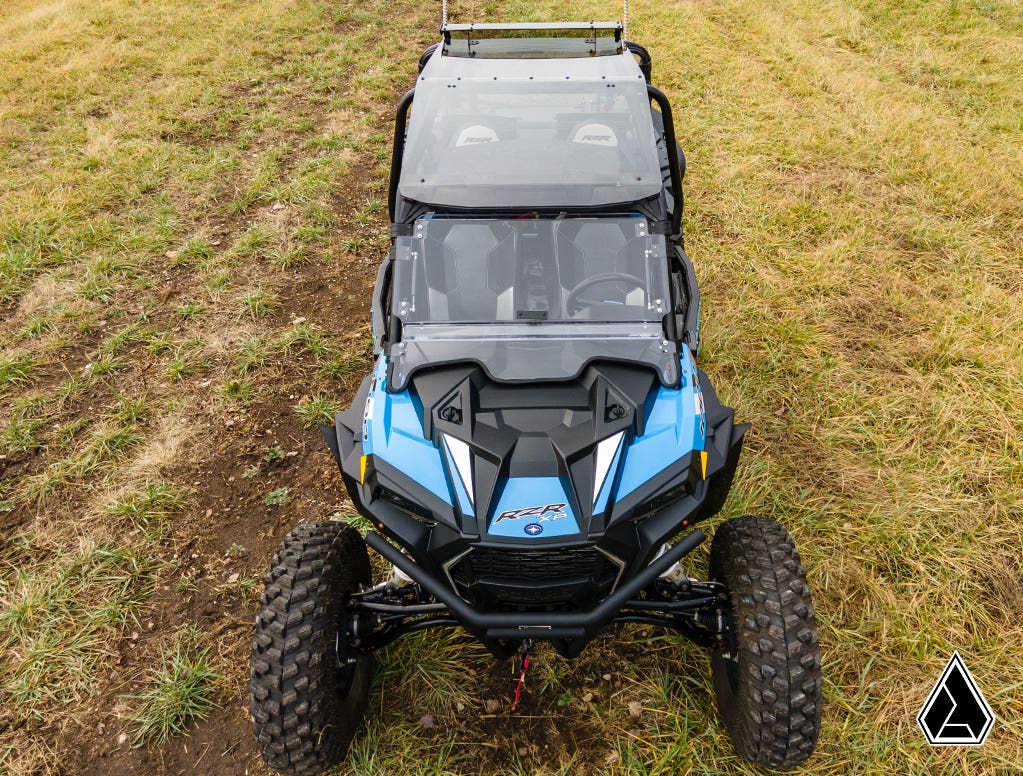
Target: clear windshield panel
{"points": [[530, 271], [525, 142], [526, 354]]}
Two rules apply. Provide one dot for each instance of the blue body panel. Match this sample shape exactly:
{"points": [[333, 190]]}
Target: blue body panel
{"points": [[673, 429], [521, 492], [393, 432]]}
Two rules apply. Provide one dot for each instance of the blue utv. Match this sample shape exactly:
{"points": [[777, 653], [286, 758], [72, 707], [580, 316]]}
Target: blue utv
{"points": [[536, 443]]}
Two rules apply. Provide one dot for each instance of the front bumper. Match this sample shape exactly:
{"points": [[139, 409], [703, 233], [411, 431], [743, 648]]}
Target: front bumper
{"points": [[570, 631]]}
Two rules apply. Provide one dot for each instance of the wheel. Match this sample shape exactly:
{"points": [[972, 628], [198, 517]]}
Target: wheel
{"points": [[307, 695], [768, 686]]}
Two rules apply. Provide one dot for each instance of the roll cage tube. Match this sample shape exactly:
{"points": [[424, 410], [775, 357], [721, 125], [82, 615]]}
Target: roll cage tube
{"points": [[673, 166], [398, 150], [645, 63]]}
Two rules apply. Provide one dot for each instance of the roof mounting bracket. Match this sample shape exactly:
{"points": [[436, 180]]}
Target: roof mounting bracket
{"points": [[502, 30]]}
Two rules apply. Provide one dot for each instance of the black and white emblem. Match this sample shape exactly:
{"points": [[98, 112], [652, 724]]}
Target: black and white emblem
{"points": [[543, 513], [956, 713]]}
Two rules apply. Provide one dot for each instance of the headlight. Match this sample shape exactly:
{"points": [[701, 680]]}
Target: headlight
{"points": [[662, 501], [407, 506]]}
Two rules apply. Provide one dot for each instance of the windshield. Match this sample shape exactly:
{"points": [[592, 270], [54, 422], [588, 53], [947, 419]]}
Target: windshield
{"points": [[528, 271], [530, 142], [531, 299]]}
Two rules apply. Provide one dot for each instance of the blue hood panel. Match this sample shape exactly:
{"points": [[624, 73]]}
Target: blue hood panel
{"points": [[557, 483], [675, 427]]}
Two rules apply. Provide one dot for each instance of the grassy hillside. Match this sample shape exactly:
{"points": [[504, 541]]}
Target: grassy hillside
{"points": [[192, 209]]}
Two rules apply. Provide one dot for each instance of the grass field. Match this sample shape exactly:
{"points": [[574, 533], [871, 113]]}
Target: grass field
{"points": [[192, 208]]}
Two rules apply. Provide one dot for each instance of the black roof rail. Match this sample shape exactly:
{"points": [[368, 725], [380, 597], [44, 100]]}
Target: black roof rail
{"points": [[640, 52], [425, 56]]}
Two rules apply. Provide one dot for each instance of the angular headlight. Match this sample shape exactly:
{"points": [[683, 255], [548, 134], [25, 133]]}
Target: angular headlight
{"points": [[661, 501], [407, 506], [461, 457]]}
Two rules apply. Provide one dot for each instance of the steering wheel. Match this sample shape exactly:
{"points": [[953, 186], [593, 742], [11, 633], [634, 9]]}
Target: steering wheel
{"points": [[573, 303]]}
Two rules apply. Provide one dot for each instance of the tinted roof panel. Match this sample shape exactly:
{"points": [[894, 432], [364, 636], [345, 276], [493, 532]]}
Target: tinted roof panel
{"points": [[487, 133]]}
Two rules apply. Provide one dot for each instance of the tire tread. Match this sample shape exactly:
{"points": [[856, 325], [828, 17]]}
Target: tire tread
{"points": [[302, 726], [773, 715]]}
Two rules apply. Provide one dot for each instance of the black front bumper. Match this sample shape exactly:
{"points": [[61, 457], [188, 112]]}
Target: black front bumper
{"points": [[574, 630]]}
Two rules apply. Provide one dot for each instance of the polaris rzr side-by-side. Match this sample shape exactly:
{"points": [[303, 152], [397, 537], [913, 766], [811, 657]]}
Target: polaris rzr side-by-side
{"points": [[536, 443]]}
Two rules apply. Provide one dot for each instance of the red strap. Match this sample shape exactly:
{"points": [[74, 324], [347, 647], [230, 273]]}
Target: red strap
{"points": [[522, 681]]}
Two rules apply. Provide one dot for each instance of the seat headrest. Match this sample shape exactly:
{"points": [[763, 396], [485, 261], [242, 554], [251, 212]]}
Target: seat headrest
{"points": [[596, 134], [475, 134]]}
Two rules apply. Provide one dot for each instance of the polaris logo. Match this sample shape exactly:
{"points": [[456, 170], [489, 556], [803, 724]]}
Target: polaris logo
{"points": [[542, 514]]}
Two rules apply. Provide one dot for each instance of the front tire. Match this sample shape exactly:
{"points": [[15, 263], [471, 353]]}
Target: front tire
{"points": [[769, 688], [307, 694]]}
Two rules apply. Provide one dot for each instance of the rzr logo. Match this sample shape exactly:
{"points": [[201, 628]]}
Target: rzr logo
{"points": [[543, 514]]}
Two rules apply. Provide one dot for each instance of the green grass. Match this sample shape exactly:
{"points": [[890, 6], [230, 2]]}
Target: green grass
{"points": [[237, 390], [37, 327], [190, 310], [253, 353], [147, 508], [344, 367], [14, 370], [245, 588], [318, 410], [57, 617], [181, 689], [194, 253], [108, 444], [259, 303], [257, 242], [187, 360], [277, 497], [24, 431], [22, 435]]}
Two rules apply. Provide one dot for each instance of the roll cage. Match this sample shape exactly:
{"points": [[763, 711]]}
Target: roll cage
{"points": [[663, 210]]}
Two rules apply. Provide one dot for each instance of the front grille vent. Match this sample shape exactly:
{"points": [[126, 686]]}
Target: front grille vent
{"points": [[491, 576]]}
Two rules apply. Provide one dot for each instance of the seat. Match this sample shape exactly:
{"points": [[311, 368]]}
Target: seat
{"points": [[590, 248], [477, 133], [469, 272]]}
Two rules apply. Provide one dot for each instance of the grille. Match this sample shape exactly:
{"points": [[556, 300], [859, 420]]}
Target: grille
{"points": [[534, 578]]}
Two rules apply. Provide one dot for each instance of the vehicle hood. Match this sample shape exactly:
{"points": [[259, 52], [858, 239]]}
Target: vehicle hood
{"points": [[547, 461]]}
